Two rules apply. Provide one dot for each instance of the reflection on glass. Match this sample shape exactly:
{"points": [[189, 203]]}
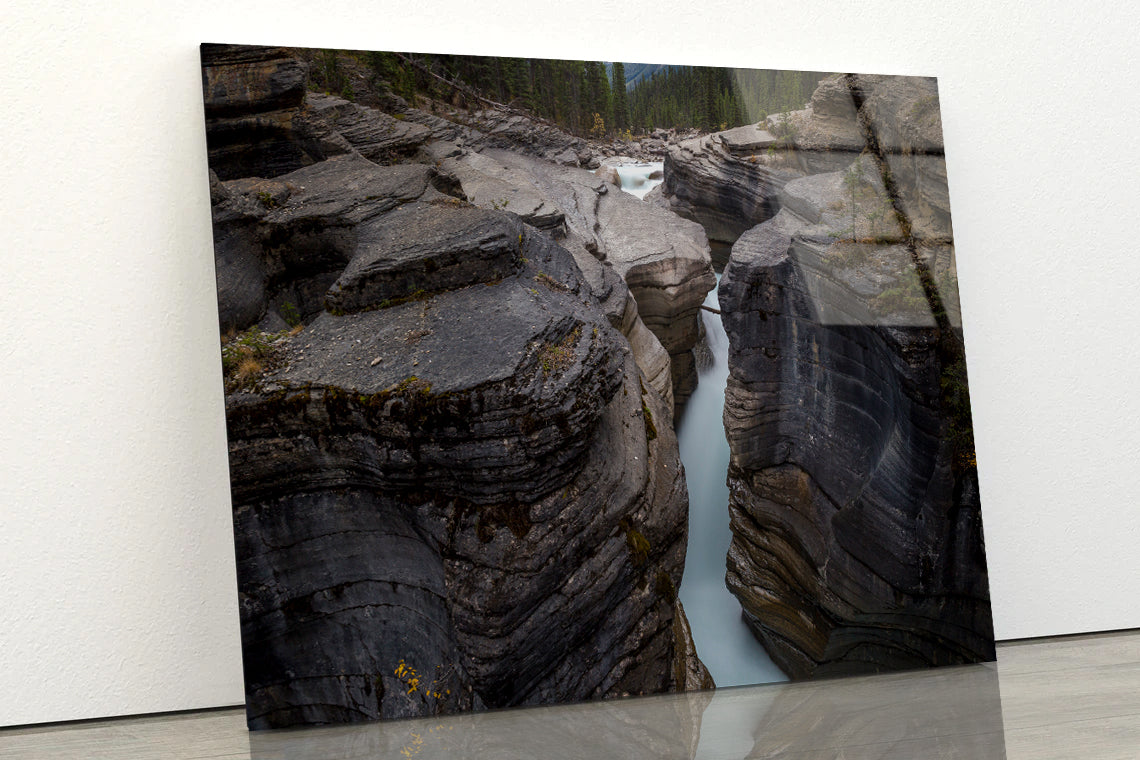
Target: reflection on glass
{"points": [[932, 714], [526, 359]]}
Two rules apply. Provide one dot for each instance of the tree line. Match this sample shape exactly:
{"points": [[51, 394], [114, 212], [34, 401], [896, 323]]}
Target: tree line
{"points": [[588, 98], [713, 99]]}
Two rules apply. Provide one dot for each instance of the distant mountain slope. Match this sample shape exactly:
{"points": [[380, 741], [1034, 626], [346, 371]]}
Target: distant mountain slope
{"points": [[636, 72]]}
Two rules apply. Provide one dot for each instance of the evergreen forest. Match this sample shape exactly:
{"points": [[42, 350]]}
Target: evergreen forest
{"points": [[587, 98]]}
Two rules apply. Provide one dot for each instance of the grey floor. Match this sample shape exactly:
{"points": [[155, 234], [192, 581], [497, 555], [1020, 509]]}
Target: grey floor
{"points": [[1069, 698]]}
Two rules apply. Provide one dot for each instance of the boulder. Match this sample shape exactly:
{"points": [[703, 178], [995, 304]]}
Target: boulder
{"points": [[746, 140], [609, 173]]}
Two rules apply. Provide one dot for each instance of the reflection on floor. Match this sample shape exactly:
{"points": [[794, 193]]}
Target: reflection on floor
{"points": [[1056, 698]]}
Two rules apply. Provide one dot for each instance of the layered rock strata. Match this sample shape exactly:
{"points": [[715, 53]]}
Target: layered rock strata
{"points": [[726, 191], [857, 542], [730, 181], [280, 243], [262, 122], [452, 488], [662, 259], [494, 128]]}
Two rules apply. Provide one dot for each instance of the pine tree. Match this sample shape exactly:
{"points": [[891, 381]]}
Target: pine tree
{"points": [[621, 102]]}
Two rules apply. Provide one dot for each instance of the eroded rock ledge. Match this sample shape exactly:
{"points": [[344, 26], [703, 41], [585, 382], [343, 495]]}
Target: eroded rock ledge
{"points": [[453, 485], [662, 261], [730, 181], [467, 479]]}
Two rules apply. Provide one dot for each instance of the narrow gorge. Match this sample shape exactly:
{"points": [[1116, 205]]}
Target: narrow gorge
{"points": [[855, 515], [525, 409], [450, 389]]}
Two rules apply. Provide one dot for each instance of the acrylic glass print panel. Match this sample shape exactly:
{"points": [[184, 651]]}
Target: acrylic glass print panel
{"points": [[549, 381]]}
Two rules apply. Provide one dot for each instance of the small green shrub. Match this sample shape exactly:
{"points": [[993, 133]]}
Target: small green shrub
{"points": [[247, 356], [290, 314]]}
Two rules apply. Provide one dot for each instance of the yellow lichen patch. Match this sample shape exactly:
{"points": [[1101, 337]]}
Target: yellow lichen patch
{"points": [[638, 544], [558, 357], [551, 283], [414, 682]]}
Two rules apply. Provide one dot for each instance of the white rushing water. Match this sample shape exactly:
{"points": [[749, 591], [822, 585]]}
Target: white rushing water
{"points": [[732, 654], [635, 177]]}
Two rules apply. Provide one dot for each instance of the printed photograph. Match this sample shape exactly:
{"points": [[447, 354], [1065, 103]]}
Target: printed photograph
{"points": [[550, 381]]}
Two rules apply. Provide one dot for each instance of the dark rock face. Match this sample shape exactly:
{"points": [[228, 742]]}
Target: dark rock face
{"points": [[253, 96], [528, 513], [454, 489], [281, 243], [260, 122], [375, 135], [663, 259], [857, 542], [441, 244], [709, 180]]}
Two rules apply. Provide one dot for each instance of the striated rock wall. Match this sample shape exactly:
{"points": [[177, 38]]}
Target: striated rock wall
{"points": [[261, 122], [452, 487], [724, 190], [661, 260], [730, 181], [857, 542]]}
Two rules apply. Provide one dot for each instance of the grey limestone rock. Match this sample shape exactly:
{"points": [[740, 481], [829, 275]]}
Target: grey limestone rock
{"points": [[727, 192], [287, 240], [730, 181], [857, 542], [748, 139], [663, 259], [254, 99], [261, 121], [460, 498], [426, 247], [514, 131], [374, 134]]}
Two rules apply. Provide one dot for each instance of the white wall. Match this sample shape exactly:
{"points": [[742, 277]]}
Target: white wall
{"points": [[117, 591]]}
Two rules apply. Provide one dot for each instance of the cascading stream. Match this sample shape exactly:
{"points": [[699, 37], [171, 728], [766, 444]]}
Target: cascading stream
{"points": [[638, 179], [732, 654]]}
